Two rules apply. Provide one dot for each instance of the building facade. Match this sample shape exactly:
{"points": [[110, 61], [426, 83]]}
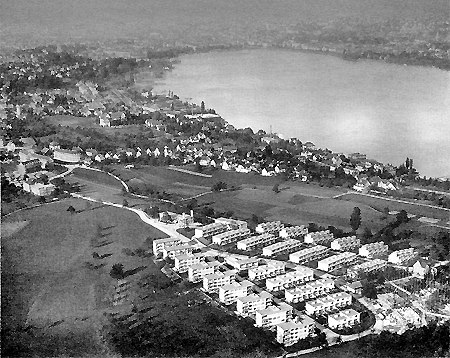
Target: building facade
{"points": [[271, 227], [309, 290], [196, 272], [293, 232], [345, 243], [160, 244], [308, 254], [182, 262], [328, 303], [265, 271], [228, 294], [343, 319], [336, 261], [253, 242], [228, 237], [402, 256], [319, 237], [289, 333], [273, 315], [282, 247], [290, 279], [172, 251], [207, 231], [242, 264], [252, 303], [373, 249], [212, 282]]}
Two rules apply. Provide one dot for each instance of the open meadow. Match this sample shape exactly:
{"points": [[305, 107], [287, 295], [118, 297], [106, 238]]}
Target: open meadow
{"points": [[54, 291]]}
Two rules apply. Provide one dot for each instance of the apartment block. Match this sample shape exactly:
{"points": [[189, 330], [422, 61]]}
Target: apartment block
{"points": [[254, 302], [328, 303], [402, 256], [290, 279], [344, 318], [182, 262], [227, 237], [273, 315], [336, 261], [160, 244], [196, 272], [207, 231], [172, 251], [242, 264], [271, 227], [282, 247], [289, 333], [345, 243], [368, 266], [309, 290], [373, 249], [212, 282], [252, 242], [271, 269], [319, 237], [293, 232], [232, 224], [228, 294], [309, 254]]}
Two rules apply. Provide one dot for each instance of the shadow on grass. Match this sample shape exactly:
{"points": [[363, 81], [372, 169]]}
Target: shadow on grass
{"points": [[105, 255], [134, 271], [104, 243]]}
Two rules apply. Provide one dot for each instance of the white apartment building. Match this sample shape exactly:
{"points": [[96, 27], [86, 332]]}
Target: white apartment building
{"points": [[273, 315], [227, 237], [210, 230], [232, 224], [262, 272], [289, 333], [368, 266], [319, 237], [242, 264], [254, 241], [373, 249], [309, 290], [281, 247], [212, 282], [172, 251], [300, 275], [344, 318], [252, 303], [272, 227], [345, 243], [308, 254], [160, 244], [182, 262], [336, 261], [401, 256], [196, 272], [328, 303], [230, 293], [293, 231]]}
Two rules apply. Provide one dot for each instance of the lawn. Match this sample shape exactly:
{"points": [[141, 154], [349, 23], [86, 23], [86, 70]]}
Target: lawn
{"points": [[46, 282], [97, 177], [72, 121]]}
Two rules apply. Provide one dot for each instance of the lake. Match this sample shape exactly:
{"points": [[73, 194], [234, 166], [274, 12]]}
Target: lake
{"points": [[386, 111]]}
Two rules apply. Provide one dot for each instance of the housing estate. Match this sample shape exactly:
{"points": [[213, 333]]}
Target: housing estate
{"points": [[242, 264], [308, 254], [319, 237], [196, 272], [328, 303], [300, 275], [172, 251], [273, 315], [373, 249], [336, 261], [309, 290], [229, 293], [212, 282], [293, 232], [182, 262], [289, 333], [345, 243], [402, 256], [271, 269], [272, 227], [253, 242], [207, 231], [281, 247], [160, 244], [227, 237], [252, 303], [345, 318], [368, 266]]}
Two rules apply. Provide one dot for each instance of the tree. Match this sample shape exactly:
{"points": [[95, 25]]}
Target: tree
{"points": [[202, 107], [117, 271], [95, 255], [125, 202], [276, 188], [355, 218], [402, 217], [71, 209]]}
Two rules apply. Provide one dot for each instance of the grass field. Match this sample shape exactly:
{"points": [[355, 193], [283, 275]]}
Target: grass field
{"points": [[72, 121], [46, 282], [380, 204]]}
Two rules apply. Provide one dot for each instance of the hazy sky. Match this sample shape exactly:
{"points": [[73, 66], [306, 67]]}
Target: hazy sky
{"points": [[59, 19]]}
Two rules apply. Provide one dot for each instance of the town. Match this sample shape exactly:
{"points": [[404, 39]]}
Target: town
{"points": [[72, 125]]}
